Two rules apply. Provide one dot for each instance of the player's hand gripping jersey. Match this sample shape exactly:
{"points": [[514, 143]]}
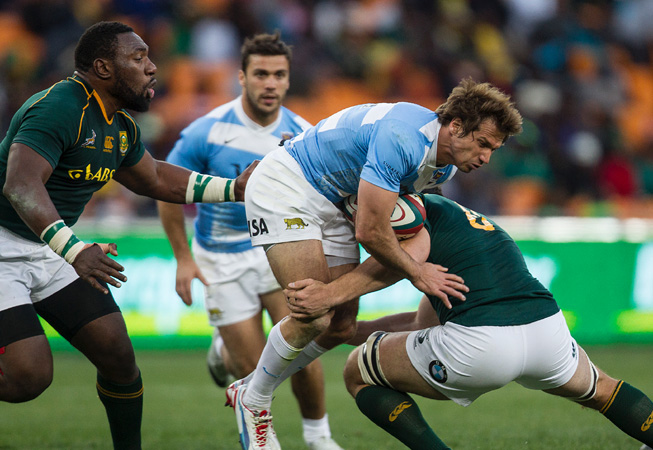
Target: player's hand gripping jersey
{"points": [[391, 145]]}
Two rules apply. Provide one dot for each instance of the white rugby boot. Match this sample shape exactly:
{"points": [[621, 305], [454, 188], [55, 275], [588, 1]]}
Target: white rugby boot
{"points": [[254, 426]]}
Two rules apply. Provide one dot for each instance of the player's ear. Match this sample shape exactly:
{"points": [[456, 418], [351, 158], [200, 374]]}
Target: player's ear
{"points": [[241, 78], [103, 68], [456, 126]]}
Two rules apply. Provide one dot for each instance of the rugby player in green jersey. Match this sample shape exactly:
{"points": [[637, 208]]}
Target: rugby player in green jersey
{"points": [[62, 145], [509, 328]]}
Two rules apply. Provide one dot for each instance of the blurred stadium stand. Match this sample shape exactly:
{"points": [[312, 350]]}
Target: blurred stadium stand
{"points": [[580, 71]]}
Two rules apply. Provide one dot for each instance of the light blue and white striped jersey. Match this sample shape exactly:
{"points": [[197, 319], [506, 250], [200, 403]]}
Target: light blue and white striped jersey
{"points": [[391, 145], [223, 143]]}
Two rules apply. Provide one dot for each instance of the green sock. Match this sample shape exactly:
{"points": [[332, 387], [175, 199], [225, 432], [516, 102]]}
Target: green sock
{"points": [[631, 411], [399, 415], [124, 406]]}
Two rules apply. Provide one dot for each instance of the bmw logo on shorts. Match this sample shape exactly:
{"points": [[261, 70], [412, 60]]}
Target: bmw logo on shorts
{"points": [[438, 371]]}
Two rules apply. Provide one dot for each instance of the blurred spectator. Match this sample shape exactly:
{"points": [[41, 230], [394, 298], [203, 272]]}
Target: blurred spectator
{"points": [[581, 72]]}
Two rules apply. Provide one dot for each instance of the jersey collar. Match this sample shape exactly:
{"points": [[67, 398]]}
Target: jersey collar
{"points": [[249, 123], [90, 92]]}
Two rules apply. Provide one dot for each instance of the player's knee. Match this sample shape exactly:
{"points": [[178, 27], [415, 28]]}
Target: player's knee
{"points": [[117, 362], [351, 372], [341, 331], [23, 384]]}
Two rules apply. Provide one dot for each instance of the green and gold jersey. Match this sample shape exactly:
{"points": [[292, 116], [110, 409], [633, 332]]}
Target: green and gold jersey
{"points": [[68, 126], [502, 291]]}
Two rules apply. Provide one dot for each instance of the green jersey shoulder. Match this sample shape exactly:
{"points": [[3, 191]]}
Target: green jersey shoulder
{"points": [[67, 125]]}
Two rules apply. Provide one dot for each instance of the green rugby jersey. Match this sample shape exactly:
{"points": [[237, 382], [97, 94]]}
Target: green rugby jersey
{"points": [[502, 291], [68, 126]]}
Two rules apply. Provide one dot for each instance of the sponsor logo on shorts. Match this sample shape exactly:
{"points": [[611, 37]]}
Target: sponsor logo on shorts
{"points": [[215, 313], [398, 410], [256, 227], [421, 337], [295, 221], [647, 424], [573, 350], [438, 371]]}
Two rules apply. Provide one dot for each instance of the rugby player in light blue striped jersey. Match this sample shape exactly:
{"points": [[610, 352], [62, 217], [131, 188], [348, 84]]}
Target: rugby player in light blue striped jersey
{"points": [[376, 151]]}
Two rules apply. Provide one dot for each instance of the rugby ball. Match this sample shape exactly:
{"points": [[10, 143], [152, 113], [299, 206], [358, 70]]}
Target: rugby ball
{"points": [[407, 218]]}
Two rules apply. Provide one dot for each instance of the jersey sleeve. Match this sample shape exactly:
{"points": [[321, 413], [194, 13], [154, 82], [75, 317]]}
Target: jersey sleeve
{"points": [[49, 128], [190, 149], [395, 151]]}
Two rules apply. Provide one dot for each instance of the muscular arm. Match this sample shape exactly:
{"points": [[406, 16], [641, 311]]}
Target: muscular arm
{"points": [[172, 218], [424, 317], [374, 232], [27, 173], [167, 182], [305, 297]]}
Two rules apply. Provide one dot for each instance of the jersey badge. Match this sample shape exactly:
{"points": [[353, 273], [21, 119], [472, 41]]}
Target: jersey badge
{"points": [[90, 142], [438, 371], [108, 144], [124, 144]]}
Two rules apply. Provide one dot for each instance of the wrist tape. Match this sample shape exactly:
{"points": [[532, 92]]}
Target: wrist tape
{"points": [[62, 240], [208, 189]]}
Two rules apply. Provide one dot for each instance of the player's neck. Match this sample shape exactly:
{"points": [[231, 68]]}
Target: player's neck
{"points": [[110, 104]]}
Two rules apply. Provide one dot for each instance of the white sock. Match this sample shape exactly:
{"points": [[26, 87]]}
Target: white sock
{"points": [[311, 352], [315, 428], [218, 343], [277, 355]]}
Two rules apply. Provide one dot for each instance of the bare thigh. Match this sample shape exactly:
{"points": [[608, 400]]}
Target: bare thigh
{"points": [[396, 367], [579, 384], [292, 261]]}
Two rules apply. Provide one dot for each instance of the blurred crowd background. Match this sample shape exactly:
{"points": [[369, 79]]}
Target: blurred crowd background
{"points": [[581, 73]]}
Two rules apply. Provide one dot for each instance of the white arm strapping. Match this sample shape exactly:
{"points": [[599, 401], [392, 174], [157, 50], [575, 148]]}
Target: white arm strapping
{"points": [[209, 189], [62, 240]]}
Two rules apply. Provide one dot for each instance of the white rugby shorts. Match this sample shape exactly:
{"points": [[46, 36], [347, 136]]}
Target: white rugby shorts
{"points": [[235, 282], [283, 207], [465, 362], [29, 271]]}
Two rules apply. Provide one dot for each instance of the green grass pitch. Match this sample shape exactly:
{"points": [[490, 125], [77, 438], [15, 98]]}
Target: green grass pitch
{"points": [[184, 410]]}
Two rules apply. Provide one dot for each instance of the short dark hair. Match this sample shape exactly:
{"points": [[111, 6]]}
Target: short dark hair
{"points": [[98, 41], [266, 45], [473, 102]]}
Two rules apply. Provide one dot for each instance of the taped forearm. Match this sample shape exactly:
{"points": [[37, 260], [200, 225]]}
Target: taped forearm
{"points": [[209, 189], [62, 240]]}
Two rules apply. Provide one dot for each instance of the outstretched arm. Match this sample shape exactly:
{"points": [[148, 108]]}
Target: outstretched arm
{"points": [[424, 317], [307, 297], [174, 184]]}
